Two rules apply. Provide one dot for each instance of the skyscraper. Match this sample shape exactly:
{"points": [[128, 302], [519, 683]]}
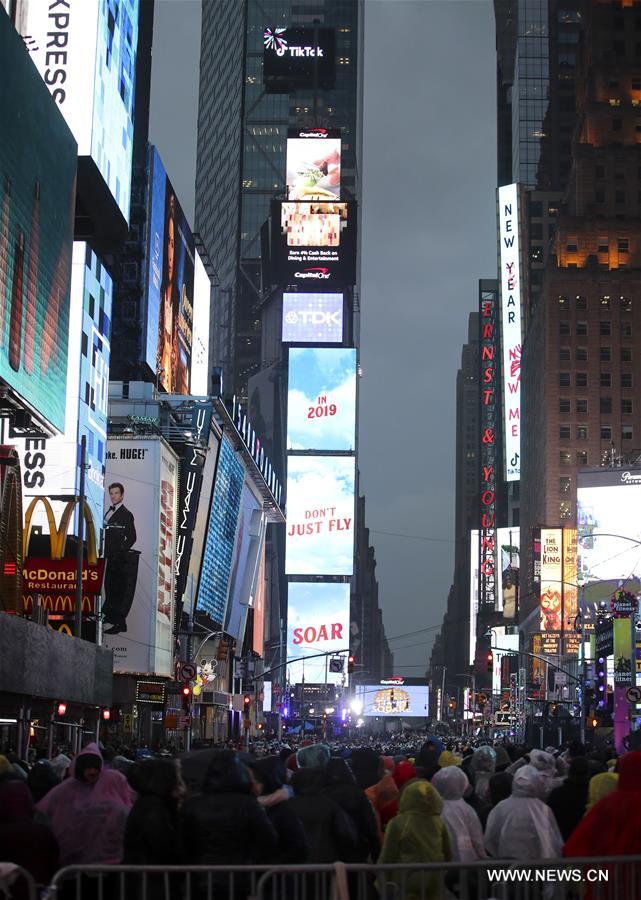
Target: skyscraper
{"points": [[242, 133]]}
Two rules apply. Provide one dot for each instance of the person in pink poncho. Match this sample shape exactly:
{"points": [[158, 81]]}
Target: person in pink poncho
{"points": [[88, 811]]}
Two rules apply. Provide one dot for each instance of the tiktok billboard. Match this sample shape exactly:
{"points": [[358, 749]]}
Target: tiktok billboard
{"points": [[320, 515], [317, 622], [321, 405]]}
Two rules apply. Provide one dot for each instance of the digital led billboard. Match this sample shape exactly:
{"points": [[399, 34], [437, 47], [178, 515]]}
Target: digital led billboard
{"points": [[250, 535], [508, 546], [312, 318], [474, 594], [213, 587], [37, 195], [313, 164], [393, 697], [320, 515], [313, 243], [298, 58], [85, 51], [170, 284], [258, 605], [140, 538], [317, 622], [510, 261], [321, 400], [551, 579], [200, 340]]}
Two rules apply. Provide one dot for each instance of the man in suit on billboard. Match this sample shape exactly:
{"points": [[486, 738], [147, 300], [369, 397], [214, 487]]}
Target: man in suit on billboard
{"points": [[122, 561]]}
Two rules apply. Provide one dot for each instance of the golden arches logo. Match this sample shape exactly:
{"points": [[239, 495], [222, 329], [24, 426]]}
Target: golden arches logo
{"points": [[58, 534]]}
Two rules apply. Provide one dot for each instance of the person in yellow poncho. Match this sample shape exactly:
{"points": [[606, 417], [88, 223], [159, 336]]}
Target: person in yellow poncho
{"points": [[600, 786], [416, 835]]}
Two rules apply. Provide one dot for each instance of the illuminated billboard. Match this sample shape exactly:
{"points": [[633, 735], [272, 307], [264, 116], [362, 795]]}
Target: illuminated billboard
{"points": [[510, 261], [140, 539], [551, 579], [474, 593], [37, 195], [312, 318], [321, 399], [250, 536], [170, 284], [317, 622], [393, 697], [258, 605], [508, 546], [314, 243], [298, 58], [218, 551], [313, 164], [85, 51], [199, 384], [320, 515]]}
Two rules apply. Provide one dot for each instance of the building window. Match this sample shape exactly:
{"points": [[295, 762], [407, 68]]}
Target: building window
{"points": [[565, 457], [581, 432], [581, 354], [605, 380], [582, 406], [626, 354], [564, 354], [623, 245], [617, 124], [564, 328], [605, 354], [626, 304], [605, 405], [572, 245], [564, 302], [564, 404], [626, 379], [581, 302], [581, 379], [626, 407], [605, 329], [605, 302], [565, 483], [564, 432], [626, 330], [581, 457], [581, 329], [626, 432], [565, 511], [564, 379], [606, 432]]}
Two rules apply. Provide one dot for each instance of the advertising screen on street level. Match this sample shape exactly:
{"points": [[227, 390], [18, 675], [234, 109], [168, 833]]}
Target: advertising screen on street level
{"points": [[312, 318], [507, 569], [298, 58], [37, 195], [313, 164], [609, 531], [320, 515], [85, 51], [200, 339], [213, 587], [170, 284], [317, 623], [321, 400], [511, 299], [313, 243], [140, 539], [393, 699]]}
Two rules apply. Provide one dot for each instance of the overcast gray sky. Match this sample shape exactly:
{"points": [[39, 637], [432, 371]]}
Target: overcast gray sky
{"points": [[429, 172]]}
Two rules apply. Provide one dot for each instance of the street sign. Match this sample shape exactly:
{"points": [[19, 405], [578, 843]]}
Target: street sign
{"points": [[633, 694], [188, 671], [184, 721]]}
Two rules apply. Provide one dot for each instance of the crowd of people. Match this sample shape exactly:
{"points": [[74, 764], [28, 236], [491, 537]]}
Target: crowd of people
{"points": [[319, 804]]}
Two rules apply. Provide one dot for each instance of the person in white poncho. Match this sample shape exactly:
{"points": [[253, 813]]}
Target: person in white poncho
{"points": [[462, 821], [523, 826]]}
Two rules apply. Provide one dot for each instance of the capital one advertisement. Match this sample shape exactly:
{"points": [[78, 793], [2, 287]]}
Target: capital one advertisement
{"points": [[37, 196], [170, 285], [320, 515], [313, 164], [312, 318], [313, 243], [321, 400], [511, 299], [609, 532], [139, 548], [85, 50], [317, 623]]}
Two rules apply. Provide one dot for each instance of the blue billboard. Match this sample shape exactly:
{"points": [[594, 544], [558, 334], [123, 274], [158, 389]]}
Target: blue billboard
{"points": [[321, 399]]}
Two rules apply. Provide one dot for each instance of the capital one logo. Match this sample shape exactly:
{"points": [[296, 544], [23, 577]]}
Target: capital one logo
{"points": [[313, 317], [318, 273]]}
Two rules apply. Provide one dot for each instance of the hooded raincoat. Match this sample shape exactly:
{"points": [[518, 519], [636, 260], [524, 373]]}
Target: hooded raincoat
{"points": [[417, 834], [88, 820], [600, 786], [482, 764], [462, 821], [523, 827]]}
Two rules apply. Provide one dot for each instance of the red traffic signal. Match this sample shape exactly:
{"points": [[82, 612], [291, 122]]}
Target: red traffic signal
{"points": [[351, 662], [490, 662], [186, 698], [106, 714], [62, 709]]}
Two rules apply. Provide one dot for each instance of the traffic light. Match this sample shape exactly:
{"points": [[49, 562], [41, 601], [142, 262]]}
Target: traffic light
{"points": [[247, 702], [187, 699], [490, 662], [351, 662]]}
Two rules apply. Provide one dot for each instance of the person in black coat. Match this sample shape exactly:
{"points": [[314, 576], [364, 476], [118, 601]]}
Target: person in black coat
{"points": [[340, 786], [152, 833], [269, 775], [568, 801], [330, 833]]}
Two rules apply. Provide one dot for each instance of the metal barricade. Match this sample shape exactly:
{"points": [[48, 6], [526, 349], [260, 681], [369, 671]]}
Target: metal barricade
{"points": [[16, 883], [555, 879]]}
